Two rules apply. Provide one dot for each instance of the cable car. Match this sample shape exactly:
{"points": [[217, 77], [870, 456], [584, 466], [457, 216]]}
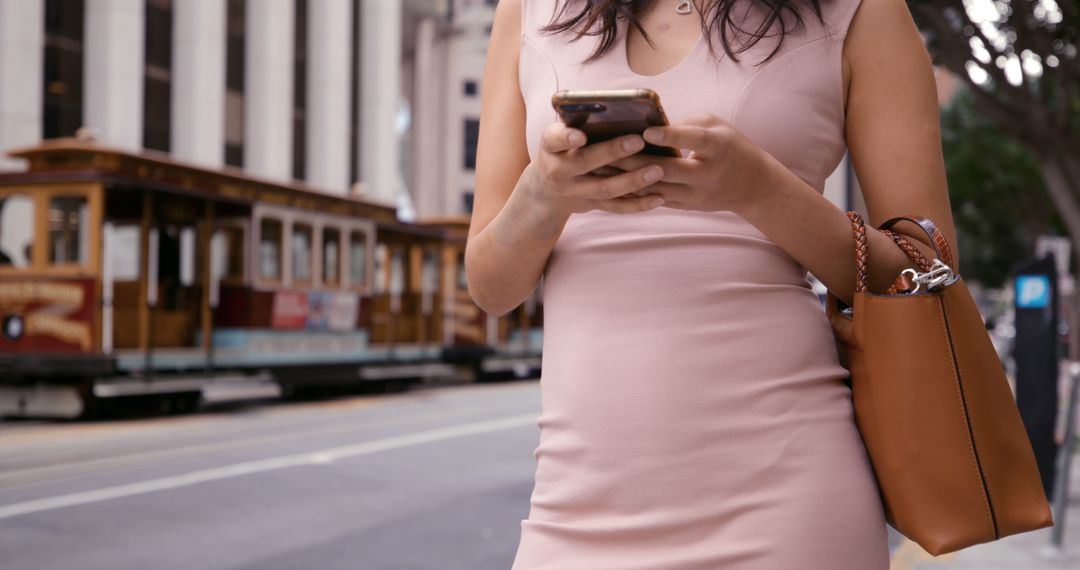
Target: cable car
{"points": [[131, 279]]}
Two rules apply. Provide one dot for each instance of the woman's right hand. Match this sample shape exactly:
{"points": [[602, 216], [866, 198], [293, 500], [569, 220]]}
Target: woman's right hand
{"points": [[562, 176]]}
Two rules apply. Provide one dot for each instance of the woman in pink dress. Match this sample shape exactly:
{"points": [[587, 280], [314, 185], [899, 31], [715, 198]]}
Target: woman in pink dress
{"points": [[694, 411]]}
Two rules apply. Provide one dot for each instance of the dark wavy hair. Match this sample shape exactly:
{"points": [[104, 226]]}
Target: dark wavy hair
{"points": [[600, 18]]}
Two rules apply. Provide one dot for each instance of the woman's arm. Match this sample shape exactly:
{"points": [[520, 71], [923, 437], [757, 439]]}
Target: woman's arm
{"points": [[510, 237], [520, 207], [893, 134]]}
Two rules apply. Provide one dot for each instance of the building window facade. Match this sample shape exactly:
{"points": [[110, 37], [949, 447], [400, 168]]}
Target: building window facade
{"points": [[472, 136], [234, 83], [157, 86], [300, 91], [63, 88], [354, 97]]}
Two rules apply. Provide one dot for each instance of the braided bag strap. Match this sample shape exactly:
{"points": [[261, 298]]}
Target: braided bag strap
{"points": [[862, 251], [902, 282], [912, 252]]}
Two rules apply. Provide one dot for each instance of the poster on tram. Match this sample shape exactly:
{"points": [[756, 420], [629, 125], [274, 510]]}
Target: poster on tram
{"points": [[47, 315], [315, 311]]}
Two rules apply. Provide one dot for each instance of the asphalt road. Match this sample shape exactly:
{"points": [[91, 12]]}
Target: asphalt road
{"points": [[431, 479], [435, 478]]}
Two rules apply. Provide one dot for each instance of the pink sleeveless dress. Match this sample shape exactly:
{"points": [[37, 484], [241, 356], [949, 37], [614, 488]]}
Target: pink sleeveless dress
{"points": [[694, 414]]}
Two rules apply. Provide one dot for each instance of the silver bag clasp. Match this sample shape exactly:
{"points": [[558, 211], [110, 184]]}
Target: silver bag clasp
{"points": [[936, 277]]}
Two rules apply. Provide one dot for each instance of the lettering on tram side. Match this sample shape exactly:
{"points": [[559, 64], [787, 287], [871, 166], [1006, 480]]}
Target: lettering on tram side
{"points": [[51, 315]]}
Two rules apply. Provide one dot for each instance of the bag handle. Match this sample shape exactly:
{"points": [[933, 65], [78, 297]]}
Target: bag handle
{"points": [[941, 245], [862, 250]]}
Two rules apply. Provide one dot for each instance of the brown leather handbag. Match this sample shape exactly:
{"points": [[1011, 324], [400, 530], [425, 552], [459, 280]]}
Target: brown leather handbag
{"points": [[950, 453]]}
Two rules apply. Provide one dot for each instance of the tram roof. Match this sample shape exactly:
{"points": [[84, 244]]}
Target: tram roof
{"points": [[445, 220], [455, 227], [69, 160]]}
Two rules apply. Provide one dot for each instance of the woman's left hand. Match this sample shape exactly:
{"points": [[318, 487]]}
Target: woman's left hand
{"points": [[723, 171]]}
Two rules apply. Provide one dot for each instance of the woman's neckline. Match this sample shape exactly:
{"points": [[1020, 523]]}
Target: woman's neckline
{"points": [[624, 57]]}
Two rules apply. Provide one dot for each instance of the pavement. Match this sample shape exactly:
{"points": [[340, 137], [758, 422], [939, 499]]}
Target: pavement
{"points": [[1026, 551]]}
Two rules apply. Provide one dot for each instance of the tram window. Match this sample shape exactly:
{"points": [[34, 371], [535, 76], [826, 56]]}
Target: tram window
{"points": [[382, 255], [124, 252], [67, 230], [187, 256], [301, 252], [16, 230], [397, 273], [462, 281], [429, 282], [228, 251], [331, 256], [270, 249], [358, 258]]}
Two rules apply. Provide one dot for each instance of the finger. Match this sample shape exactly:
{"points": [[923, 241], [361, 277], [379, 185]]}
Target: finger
{"points": [[677, 170], [630, 205], [608, 187], [634, 162], [672, 193], [676, 196], [561, 138], [704, 141], [702, 119], [608, 170], [595, 155]]}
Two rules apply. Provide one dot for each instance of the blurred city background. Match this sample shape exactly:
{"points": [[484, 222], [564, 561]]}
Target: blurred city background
{"points": [[236, 331]]}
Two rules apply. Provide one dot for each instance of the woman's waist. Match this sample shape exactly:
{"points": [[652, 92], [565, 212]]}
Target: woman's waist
{"points": [[680, 292], [742, 331], [728, 255], [687, 352]]}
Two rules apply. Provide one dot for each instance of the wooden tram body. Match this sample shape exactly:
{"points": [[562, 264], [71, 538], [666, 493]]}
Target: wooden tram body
{"points": [[139, 279]]}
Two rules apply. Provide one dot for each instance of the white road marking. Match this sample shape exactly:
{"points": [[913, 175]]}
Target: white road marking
{"points": [[320, 457], [117, 459]]}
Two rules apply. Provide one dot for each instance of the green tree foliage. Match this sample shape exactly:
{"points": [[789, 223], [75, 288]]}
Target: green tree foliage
{"points": [[998, 194], [1019, 62]]}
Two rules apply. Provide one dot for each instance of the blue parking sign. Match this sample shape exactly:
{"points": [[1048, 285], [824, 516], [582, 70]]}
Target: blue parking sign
{"points": [[1032, 291]]}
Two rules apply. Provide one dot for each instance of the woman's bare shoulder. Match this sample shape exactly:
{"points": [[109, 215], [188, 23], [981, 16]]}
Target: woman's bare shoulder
{"points": [[881, 28], [504, 45], [508, 16], [883, 44]]}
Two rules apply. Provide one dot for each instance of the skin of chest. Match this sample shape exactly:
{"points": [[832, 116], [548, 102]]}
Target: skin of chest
{"points": [[674, 36]]}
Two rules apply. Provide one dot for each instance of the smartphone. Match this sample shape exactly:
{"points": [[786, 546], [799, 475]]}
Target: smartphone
{"points": [[605, 115]]}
